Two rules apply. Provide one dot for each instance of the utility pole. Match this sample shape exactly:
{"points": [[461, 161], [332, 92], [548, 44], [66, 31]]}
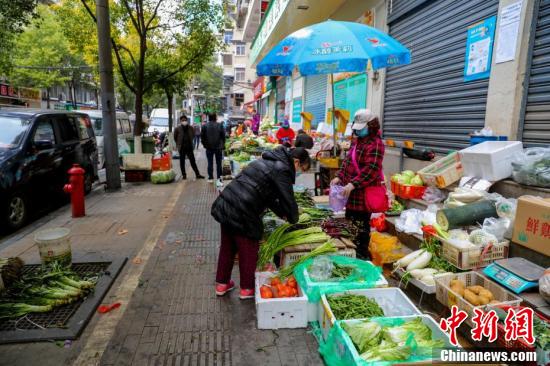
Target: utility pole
{"points": [[107, 85]]}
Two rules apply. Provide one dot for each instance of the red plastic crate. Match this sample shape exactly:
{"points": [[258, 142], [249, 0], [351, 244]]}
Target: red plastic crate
{"points": [[395, 188], [411, 192], [162, 164]]}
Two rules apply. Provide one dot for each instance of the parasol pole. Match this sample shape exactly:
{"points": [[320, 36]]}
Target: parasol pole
{"points": [[333, 115]]}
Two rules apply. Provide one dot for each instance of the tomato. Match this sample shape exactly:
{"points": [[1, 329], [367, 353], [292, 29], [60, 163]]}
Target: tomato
{"points": [[265, 292], [275, 281], [283, 292], [293, 292], [292, 282]]}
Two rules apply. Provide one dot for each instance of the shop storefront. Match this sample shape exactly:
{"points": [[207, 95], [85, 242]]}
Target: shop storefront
{"points": [[280, 98], [429, 101], [315, 98], [535, 129], [19, 97], [297, 102], [350, 94]]}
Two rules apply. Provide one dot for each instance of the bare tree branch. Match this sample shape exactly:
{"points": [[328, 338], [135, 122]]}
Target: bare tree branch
{"points": [[129, 53], [175, 72], [153, 16], [131, 15]]}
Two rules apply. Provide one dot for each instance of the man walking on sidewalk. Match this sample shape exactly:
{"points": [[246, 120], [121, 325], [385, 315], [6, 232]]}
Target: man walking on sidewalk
{"points": [[184, 135], [213, 140], [197, 140]]}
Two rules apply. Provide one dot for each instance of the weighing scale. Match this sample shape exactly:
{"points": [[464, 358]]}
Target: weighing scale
{"points": [[517, 274]]}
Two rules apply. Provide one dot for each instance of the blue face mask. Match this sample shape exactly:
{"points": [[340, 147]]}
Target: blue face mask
{"points": [[362, 132]]}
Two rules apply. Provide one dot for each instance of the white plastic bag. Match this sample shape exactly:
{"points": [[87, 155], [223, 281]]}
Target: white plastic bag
{"points": [[321, 268], [410, 221], [433, 195], [544, 285], [497, 227]]}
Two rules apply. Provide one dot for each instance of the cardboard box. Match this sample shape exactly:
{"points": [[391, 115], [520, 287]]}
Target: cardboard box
{"points": [[532, 224]]}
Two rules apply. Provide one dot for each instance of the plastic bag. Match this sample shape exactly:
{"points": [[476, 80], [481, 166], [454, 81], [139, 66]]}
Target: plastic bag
{"points": [[532, 167], [544, 285], [123, 147], [321, 268], [336, 198], [409, 222], [378, 222], [433, 195], [497, 227], [162, 177], [384, 248]]}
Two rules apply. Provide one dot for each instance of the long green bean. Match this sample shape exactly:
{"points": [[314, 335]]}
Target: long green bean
{"points": [[351, 306]]}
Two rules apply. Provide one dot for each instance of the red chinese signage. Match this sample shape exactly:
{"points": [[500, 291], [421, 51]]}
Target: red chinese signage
{"points": [[259, 88], [24, 93]]}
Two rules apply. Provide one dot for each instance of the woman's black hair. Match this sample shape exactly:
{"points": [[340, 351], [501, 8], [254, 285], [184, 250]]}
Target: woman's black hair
{"points": [[302, 155]]}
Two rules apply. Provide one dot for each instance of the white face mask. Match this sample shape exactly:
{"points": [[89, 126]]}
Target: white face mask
{"points": [[184, 123]]}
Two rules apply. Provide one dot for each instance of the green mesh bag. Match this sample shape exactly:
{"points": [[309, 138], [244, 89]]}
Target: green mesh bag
{"points": [[365, 275], [339, 350]]}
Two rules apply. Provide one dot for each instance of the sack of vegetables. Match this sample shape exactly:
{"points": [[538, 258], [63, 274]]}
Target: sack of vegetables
{"points": [[162, 177], [345, 274]]}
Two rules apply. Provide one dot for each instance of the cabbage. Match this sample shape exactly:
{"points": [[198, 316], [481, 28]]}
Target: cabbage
{"points": [[395, 177], [405, 179], [408, 173], [421, 331], [426, 348], [396, 334], [417, 181], [364, 335], [162, 177], [388, 351]]}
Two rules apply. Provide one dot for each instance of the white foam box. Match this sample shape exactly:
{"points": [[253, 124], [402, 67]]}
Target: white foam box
{"points": [[280, 313], [391, 299], [490, 160]]}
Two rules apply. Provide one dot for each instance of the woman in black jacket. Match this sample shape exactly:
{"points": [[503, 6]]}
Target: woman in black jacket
{"points": [[264, 184]]}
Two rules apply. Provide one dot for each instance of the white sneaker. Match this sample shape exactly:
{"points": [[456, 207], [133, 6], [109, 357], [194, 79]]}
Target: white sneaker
{"points": [[219, 183], [210, 181]]}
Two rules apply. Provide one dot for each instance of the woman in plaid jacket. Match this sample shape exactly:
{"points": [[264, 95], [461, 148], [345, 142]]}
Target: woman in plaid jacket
{"points": [[366, 171]]}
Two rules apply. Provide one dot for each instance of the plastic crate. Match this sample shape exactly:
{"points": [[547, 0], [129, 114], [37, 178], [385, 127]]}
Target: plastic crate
{"points": [[392, 300], [135, 176], [344, 349], [474, 140], [289, 258], [443, 172], [394, 186], [409, 192], [473, 258], [490, 160], [137, 161], [162, 163], [448, 297], [279, 313]]}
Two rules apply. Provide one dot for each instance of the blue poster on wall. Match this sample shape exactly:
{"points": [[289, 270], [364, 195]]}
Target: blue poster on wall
{"points": [[479, 49]]}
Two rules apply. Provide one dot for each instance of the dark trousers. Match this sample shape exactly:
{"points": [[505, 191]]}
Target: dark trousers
{"points": [[362, 221], [231, 244], [189, 154], [210, 157], [197, 141]]}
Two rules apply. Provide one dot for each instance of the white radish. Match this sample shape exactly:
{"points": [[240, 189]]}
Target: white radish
{"points": [[406, 260], [419, 273], [420, 262], [428, 280]]}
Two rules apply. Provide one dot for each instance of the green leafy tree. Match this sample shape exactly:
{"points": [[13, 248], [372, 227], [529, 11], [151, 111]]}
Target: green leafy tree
{"points": [[14, 16], [42, 64]]}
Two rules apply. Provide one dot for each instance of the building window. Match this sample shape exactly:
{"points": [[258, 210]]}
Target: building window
{"points": [[239, 99], [240, 49], [239, 74], [227, 59], [228, 37]]}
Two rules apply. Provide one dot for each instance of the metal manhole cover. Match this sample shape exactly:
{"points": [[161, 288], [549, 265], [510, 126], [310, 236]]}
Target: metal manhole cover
{"points": [[67, 321]]}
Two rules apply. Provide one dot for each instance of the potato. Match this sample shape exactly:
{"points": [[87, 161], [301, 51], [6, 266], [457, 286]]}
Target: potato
{"points": [[486, 293], [471, 297], [456, 282], [458, 289], [484, 300], [476, 289]]}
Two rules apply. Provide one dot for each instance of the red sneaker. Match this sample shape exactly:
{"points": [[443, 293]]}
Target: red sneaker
{"points": [[246, 294], [222, 289]]}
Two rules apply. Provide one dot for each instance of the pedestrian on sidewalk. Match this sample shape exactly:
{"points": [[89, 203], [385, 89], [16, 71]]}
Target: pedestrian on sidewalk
{"points": [[362, 168], [197, 139], [213, 140], [184, 135], [255, 122], [264, 183]]}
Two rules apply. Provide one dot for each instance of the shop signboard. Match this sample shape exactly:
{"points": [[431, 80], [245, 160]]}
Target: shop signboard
{"points": [[274, 13], [23, 93], [259, 88], [479, 49], [296, 109], [351, 94]]}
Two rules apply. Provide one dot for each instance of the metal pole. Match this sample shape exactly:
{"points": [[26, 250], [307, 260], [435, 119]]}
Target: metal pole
{"points": [[108, 106], [192, 109], [333, 114]]}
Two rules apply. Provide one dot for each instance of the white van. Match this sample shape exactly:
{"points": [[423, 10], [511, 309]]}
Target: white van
{"points": [[123, 127], [158, 121]]}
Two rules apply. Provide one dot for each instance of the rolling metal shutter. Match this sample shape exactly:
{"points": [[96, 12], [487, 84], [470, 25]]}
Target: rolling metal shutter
{"points": [[428, 101], [536, 118], [316, 98]]}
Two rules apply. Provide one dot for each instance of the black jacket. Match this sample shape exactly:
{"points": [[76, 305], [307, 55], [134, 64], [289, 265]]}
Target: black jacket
{"points": [[183, 135], [213, 136], [264, 183], [303, 140]]}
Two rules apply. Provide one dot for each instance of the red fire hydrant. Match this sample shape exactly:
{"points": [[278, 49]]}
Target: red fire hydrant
{"points": [[76, 189]]}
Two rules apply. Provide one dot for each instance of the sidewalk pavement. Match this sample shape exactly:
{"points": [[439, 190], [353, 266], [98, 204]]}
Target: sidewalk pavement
{"points": [[169, 314]]}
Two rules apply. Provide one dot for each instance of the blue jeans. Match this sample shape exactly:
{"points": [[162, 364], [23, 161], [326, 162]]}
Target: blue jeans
{"points": [[197, 141], [210, 157]]}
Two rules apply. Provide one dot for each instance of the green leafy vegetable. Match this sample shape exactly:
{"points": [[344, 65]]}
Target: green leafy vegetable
{"points": [[350, 306], [388, 351], [426, 348], [364, 335]]}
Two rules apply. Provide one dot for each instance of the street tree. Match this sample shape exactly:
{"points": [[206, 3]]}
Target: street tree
{"points": [[43, 64], [146, 27], [14, 16]]}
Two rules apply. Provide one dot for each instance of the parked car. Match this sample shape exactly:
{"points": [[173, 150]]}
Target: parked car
{"points": [[158, 121], [37, 148], [123, 127]]}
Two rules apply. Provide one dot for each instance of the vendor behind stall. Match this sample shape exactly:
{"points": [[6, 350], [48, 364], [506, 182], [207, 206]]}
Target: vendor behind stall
{"points": [[362, 168], [303, 140], [264, 183], [285, 134]]}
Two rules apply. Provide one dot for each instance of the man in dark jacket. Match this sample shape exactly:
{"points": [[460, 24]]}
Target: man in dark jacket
{"points": [[264, 183], [184, 135], [213, 140], [303, 140]]}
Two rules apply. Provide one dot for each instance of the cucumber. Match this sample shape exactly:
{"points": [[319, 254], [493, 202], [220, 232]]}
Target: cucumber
{"points": [[473, 213]]}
